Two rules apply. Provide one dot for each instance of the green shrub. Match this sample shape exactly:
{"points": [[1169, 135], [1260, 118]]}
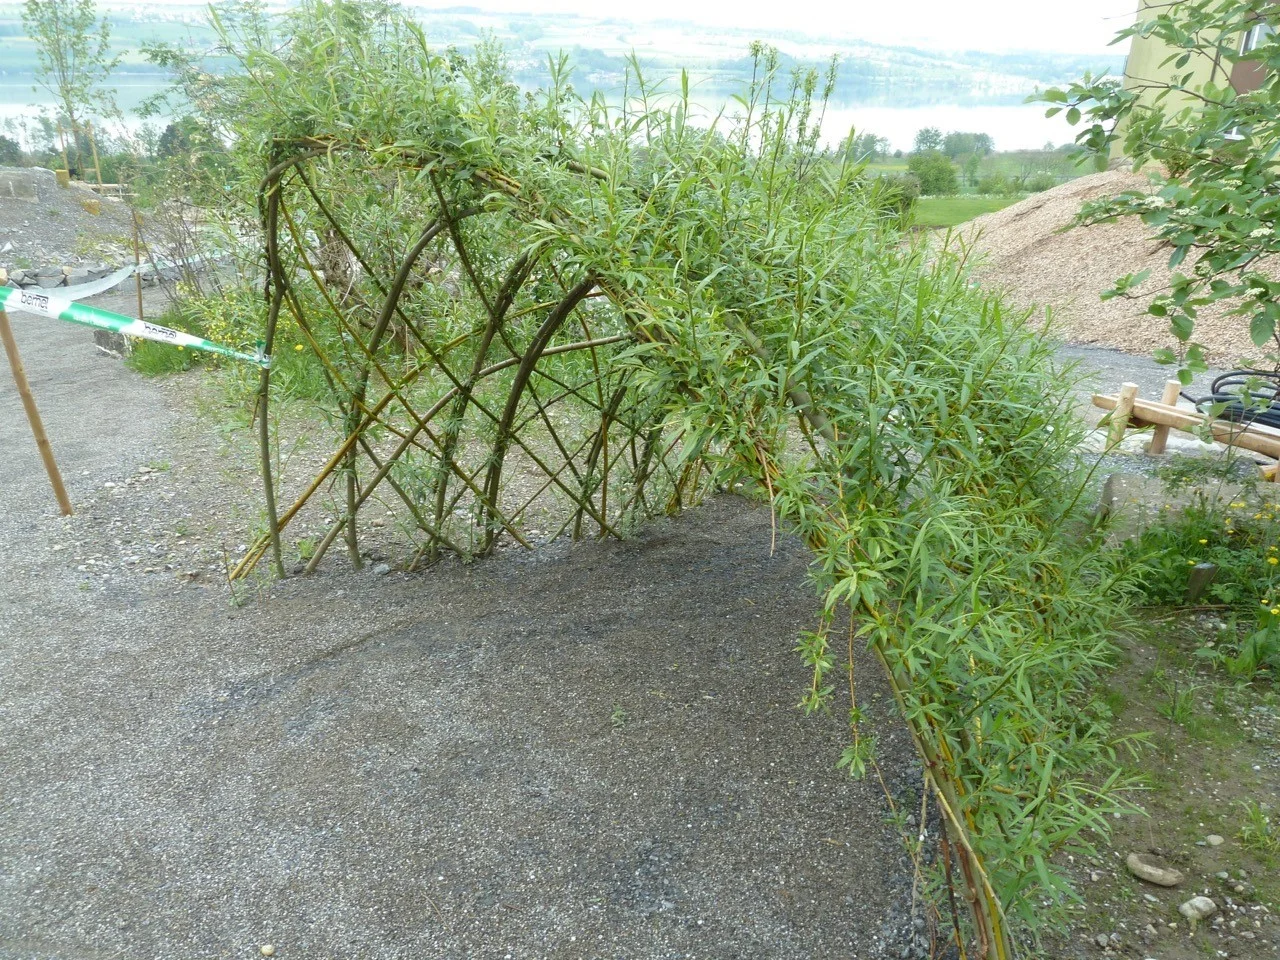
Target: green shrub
{"points": [[10, 152], [994, 185], [1038, 183], [154, 359], [936, 173]]}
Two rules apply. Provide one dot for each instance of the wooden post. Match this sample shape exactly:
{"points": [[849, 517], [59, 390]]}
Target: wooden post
{"points": [[1202, 575], [62, 142], [1121, 415], [137, 263], [33, 415], [93, 143], [1172, 390]]}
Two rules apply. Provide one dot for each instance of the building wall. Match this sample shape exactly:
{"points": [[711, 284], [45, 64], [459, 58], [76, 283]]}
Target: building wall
{"points": [[1144, 64]]}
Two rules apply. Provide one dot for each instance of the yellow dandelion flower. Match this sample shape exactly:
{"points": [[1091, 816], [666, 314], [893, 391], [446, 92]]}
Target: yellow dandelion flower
{"points": [[1273, 560], [1237, 505], [1275, 611], [1191, 563], [1203, 542], [298, 347]]}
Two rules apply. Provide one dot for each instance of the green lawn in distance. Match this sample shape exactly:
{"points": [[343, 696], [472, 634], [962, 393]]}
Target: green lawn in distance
{"points": [[951, 211]]}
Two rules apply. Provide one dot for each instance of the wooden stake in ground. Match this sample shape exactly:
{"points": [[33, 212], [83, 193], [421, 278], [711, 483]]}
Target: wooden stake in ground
{"points": [[97, 167], [33, 415], [137, 263], [66, 164], [1123, 412], [1160, 437]]}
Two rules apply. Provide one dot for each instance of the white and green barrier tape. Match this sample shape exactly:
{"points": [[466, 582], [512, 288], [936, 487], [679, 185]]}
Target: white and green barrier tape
{"points": [[60, 308]]}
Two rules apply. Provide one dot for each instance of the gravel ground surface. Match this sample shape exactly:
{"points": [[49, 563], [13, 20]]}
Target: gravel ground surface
{"points": [[592, 751], [1024, 250]]}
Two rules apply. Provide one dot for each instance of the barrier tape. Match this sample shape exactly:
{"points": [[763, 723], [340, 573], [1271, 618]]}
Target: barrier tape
{"points": [[60, 308]]}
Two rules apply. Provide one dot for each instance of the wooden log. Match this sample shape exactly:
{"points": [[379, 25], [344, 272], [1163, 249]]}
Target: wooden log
{"points": [[1255, 437], [1160, 438], [1122, 413], [33, 415]]}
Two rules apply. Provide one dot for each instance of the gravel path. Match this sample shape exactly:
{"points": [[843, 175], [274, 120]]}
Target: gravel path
{"points": [[591, 752]]}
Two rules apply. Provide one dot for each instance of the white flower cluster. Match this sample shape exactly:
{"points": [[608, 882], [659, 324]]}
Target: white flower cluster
{"points": [[1154, 203], [1261, 232]]}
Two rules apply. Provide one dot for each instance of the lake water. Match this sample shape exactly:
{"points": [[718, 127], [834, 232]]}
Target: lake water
{"points": [[1019, 127]]}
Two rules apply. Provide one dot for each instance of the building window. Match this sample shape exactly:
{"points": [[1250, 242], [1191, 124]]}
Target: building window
{"points": [[1256, 37]]}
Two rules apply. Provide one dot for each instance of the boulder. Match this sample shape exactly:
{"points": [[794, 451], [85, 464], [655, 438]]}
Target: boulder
{"points": [[46, 282], [78, 275]]}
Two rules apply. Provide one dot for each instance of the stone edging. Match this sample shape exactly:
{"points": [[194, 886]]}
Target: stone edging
{"points": [[58, 276]]}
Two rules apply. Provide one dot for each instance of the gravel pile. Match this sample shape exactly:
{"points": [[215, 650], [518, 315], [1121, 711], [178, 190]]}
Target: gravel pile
{"points": [[42, 224], [1026, 250]]}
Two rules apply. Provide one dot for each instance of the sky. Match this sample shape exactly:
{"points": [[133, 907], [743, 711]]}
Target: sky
{"points": [[1081, 26]]}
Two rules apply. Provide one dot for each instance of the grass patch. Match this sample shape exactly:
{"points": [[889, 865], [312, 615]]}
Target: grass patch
{"points": [[152, 359], [952, 211]]}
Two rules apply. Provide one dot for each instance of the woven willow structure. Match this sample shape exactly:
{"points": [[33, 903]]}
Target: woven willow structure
{"points": [[456, 422]]}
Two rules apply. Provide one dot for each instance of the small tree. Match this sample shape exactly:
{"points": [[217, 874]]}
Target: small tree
{"points": [[869, 146], [930, 138], [73, 50], [1211, 153], [956, 144]]}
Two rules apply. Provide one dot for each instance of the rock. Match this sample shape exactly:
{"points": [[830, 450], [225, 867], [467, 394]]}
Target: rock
{"points": [[49, 272], [381, 570], [1148, 867], [47, 282], [1214, 840], [1101, 940], [78, 275], [7, 248], [1198, 908], [17, 276], [4, 277], [267, 950]]}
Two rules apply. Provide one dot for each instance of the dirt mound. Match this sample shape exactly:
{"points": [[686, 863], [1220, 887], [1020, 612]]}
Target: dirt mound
{"points": [[1026, 250], [42, 224]]}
